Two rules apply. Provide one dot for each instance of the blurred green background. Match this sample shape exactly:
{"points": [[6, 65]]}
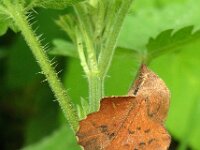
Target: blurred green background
{"points": [[30, 118]]}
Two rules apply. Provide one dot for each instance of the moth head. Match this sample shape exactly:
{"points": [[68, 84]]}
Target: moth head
{"points": [[147, 83]]}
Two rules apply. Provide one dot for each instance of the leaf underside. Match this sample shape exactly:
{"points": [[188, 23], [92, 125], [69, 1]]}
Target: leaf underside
{"points": [[168, 41]]}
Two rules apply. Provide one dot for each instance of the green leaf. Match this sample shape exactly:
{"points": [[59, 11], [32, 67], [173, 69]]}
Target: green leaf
{"points": [[6, 21], [3, 28], [64, 48], [191, 125], [83, 109], [67, 23], [145, 4], [3, 21], [117, 82], [181, 73], [167, 41], [3, 53], [122, 72], [149, 22], [54, 4], [122, 52], [17, 74], [45, 112], [61, 139]]}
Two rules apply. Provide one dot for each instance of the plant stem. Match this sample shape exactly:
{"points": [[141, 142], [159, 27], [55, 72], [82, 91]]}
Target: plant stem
{"points": [[95, 82], [84, 28], [33, 42], [79, 43], [90, 66], [96, 89], [98, 70]]}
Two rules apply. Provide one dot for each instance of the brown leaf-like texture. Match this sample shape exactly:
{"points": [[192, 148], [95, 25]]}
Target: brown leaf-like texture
{"points": [[133, 122]]}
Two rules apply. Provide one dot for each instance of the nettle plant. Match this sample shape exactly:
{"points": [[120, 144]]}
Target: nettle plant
{"points": [[93, 27]]}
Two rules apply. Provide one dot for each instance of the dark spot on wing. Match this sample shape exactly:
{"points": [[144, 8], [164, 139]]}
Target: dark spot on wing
{"points": [[138, 128], [147, 131], [103, 128], [151, 140], [142, 143], [80, 135], [92, 144], [151, 114], [131, 132], [111, 135], [94, 124], [126, 145], [136, 90]]}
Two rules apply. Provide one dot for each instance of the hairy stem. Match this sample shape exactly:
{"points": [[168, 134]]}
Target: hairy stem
{"points": [[33, 42]]}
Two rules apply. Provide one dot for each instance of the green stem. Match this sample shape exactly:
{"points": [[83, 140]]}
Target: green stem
{"points": [[90, 66], [79, 43], [106, 54], [95, 91], [94, 81], [98, 71], [85, 29], [33, 42]]}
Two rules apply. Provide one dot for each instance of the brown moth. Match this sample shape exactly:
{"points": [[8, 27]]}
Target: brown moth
{"points": [[132, 122]]}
